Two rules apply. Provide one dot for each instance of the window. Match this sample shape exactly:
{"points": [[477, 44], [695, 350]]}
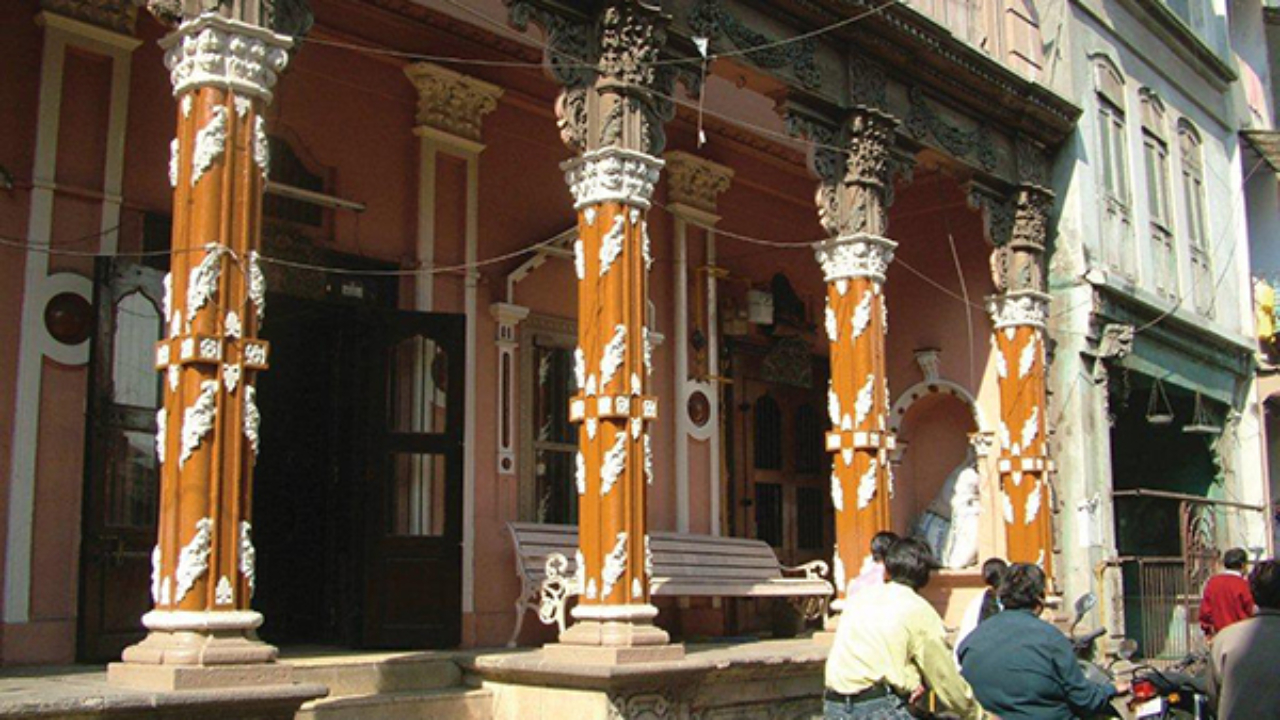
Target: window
{"points": [[1194, 218], [1155, 156], [548, 442], [769, 513], [810, 453], [1113, 164], [768, 434]]}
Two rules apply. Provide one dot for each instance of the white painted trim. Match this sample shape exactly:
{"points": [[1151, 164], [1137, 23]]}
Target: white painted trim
{"points": [[614, 612], [469, 456], [680, 328], [713, 365], [191, 621], [424, 286], [38, 286]]}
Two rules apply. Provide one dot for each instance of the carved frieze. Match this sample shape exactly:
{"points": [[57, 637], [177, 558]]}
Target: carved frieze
{"points": [[118, 15], [695, 182], [450, 101], [710, 19], [923, 121]]}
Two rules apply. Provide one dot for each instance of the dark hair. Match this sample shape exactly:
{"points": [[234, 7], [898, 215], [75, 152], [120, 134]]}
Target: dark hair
{"points": [[1264, 583], [881, 543], [1022, 587], [909, 562], [993, 571], [1234, 559]]}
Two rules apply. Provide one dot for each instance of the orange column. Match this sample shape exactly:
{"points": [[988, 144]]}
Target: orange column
{"points": [[203, 564], [1018, 317], [853, 202]]}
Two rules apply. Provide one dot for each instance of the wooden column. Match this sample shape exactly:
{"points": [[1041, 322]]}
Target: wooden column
{"points": [[854, 195], [203, 568], [612, 112], [1019, 315]]}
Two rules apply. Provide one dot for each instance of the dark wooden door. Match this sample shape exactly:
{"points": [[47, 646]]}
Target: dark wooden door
{"points": [[122, 483], [414, 560]]}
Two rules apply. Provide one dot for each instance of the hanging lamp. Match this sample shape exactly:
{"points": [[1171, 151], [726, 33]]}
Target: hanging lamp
{"points": [[1201, 422], [1159, 409]]}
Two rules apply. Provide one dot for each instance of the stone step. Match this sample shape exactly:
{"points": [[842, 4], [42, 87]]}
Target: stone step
{"points": [[448, 704], [348, 675]]}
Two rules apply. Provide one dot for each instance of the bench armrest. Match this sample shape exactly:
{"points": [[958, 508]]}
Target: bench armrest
{"points": [[815, 570], [557, 588]]}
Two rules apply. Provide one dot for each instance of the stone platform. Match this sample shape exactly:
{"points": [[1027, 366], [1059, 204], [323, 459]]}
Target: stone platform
{"points": [[768, 679]]}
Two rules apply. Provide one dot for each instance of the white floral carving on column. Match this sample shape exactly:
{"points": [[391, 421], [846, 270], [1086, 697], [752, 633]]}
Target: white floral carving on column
{"points": [[1031, 428], [837, 492], [242, 104], [223, 594], [1033, 503], [202, 283], [248, 556], [615, 565], [614, 352], [862, 315], [1007, 507], [257, 285], [580, 473], [162, 434], [193, 559], [867, 485], [579, 260], [648, 558], [231, 376], [648, 352], [1028, 356], [1002, 367], [580, 367], [645, 244], [1002, 432], [580, 569], [833, 405], [155, 575], [838, 568], [862, 405], [261, 147], [252, 419], [612, 174], [648, 461], [829, 319], [211, 143], [615, 461], [175, 155], [197, 420], [232, 326], [611, 244]]}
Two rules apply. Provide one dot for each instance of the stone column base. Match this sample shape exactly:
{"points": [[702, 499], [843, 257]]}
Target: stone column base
{"points": [[824, 637], [197, 677], [605, 642]]}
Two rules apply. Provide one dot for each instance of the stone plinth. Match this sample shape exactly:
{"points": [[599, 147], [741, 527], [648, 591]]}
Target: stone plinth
{"points": [[781, 678]]}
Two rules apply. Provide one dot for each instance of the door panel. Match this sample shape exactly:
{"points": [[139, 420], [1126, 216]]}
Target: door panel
{"points": [[414, 587], [122, 473]]}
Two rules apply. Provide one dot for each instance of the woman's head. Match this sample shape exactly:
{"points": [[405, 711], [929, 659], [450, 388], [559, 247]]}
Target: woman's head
{"points": [[993, 571], [881, 543]]}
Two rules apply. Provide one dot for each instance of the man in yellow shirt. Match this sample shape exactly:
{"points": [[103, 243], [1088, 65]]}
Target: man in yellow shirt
{"points": [[890, 644]]}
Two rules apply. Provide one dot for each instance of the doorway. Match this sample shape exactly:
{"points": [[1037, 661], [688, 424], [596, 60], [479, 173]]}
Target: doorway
{"points": [[357, 506]]}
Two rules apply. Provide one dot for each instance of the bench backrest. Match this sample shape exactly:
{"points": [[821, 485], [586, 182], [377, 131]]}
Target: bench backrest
{"points": [[677, 556], [534, 542], [708, 558]]}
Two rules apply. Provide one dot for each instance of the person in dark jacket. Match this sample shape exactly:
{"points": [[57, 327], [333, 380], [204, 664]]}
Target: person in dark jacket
{"points": [[1021, 666]]}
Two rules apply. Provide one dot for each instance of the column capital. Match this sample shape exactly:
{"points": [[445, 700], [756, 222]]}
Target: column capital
{"points": [[213, 51], [450, 102], [1014, 309], [855, 256], [695, 184], [612, 174]]}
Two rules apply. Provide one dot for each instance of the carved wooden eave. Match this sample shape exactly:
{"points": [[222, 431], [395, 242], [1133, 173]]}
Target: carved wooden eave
{"points": [[930, 72], [118, 15]]}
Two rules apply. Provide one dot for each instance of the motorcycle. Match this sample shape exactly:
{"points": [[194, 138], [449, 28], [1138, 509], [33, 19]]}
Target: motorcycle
{"points": [[1085, 648], [1180, 691]]}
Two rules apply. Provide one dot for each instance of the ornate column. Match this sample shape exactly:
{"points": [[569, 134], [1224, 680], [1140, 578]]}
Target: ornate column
{"points": [[854, 194], [608, 115], [202, 630], [1019, 227]]}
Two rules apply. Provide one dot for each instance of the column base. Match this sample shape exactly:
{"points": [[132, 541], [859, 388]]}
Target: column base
{"points": [[167, 678], [192, 650], [824, 637], [614, 642]]}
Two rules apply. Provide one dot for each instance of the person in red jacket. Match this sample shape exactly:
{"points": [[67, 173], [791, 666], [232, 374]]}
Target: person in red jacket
{"points": [[1226, 596]]}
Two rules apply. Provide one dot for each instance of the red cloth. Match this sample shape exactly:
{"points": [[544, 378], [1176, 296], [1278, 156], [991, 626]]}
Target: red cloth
{"points": [[1226, 600]]}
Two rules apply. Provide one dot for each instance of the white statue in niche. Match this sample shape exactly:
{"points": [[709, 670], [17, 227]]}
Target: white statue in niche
{"points": [[950, 524]]}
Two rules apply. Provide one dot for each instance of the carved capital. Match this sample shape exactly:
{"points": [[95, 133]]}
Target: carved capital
{"points": [[118, 15], [997, 212], [855, 256], [867, 83], [1032, 162], [214, 51], [450, 101], [1014, 309], [612, 175], [1031, 219], [695, 182]]}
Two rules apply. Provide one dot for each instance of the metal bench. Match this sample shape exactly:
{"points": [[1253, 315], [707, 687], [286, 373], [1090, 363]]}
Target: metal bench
{"points": [[684, 565]]}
